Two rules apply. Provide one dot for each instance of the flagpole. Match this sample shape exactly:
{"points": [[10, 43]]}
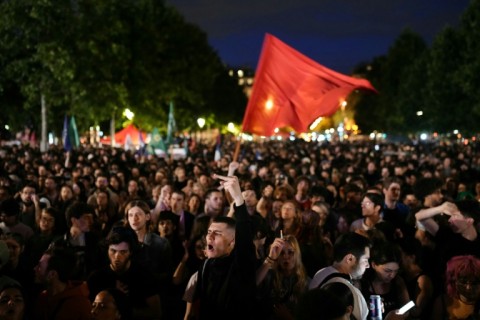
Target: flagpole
{"points": [[237, 148]]}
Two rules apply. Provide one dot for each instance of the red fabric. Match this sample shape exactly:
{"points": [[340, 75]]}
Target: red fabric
{"points": [[301, 90], [121, 135]]}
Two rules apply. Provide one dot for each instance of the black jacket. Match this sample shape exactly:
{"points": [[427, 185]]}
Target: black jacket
{"points": [[226, 286]]}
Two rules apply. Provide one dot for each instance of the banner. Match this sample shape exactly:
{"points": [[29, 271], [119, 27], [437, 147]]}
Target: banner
{"points": [[156, 142], [73, 133], [292, 90], [172, 126], [67, 145]]}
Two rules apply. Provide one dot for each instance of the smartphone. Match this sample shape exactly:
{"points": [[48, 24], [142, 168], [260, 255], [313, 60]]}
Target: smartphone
{"points": [[406, 307]]}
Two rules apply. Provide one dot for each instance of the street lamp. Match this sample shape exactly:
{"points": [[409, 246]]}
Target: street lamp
{"points": [[201, 122], [128, 114]]}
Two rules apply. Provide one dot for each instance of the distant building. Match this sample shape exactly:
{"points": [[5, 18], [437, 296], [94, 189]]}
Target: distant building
{"points": [[245, 77]]}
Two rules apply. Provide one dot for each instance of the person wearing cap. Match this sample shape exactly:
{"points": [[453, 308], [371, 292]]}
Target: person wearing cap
{"points": [[9, 212]]}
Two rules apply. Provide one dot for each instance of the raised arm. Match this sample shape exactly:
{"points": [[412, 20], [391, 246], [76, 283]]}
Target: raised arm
{"points": [[265, 201], [231, 184], [244, 247], [424, 296], [425, 216], [275, 250], [232, 167]]}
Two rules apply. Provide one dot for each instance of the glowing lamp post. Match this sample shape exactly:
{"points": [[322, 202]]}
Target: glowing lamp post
{"points": [[201, 124]]}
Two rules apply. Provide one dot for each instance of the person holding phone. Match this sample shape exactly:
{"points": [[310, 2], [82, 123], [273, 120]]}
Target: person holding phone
{"points": [[382, 278]]}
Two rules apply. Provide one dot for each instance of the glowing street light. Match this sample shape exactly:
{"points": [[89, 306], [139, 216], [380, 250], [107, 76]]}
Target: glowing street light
{"points": [[201, 122], [128, 114]]}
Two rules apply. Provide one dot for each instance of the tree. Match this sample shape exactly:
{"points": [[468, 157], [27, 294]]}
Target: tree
{"points": [[33, 64], [444, 86], [94, 58], [393, 75], [469, 71]]}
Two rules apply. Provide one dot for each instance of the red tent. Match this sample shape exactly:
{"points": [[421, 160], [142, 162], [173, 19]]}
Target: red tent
{"points": [[292, 90], [121, 136]]}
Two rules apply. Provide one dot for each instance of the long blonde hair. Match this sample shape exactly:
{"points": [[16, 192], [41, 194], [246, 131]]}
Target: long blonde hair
{"points": [[299, 272]]}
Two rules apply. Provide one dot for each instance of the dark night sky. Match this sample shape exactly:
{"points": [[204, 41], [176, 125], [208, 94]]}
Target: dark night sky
{"points": [[336, 33]]}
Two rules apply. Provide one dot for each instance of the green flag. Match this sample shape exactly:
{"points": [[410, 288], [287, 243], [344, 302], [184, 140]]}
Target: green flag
{"points": [[172, 126], [73, 133], [156, 142]]}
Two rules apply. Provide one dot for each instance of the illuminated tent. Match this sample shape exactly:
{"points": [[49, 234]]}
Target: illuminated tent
{"points": [[129, 131], [292, 90]]}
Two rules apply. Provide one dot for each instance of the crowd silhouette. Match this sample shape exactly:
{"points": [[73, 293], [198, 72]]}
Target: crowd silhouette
{"points": [[107, 233]]}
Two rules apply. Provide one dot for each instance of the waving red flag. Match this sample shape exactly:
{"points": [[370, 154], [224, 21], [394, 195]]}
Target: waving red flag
{"points": [[292, 90]]}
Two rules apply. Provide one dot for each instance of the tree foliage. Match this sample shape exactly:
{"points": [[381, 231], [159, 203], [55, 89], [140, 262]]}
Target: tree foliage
{"points": [[442, 81], [94, 58]]}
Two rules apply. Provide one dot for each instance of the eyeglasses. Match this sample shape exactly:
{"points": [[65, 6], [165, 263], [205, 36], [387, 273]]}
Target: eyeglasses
{"points": [[47, 220], [467, 283]]}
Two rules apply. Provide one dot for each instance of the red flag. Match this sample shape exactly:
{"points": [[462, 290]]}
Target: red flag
{"points": [[292, 90]]}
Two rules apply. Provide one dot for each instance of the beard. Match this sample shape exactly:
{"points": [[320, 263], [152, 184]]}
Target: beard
{"points": [[357, 272]]}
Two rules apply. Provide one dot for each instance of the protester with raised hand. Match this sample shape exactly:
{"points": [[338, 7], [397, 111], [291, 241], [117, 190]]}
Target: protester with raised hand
{"points": [[282, 279], [226, 281]]}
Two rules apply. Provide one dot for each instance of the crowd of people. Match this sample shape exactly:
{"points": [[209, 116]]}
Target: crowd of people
{"points": [[289, 230]]}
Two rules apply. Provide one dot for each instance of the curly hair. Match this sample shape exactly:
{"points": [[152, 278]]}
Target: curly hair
{"points": [[461, 267]]}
